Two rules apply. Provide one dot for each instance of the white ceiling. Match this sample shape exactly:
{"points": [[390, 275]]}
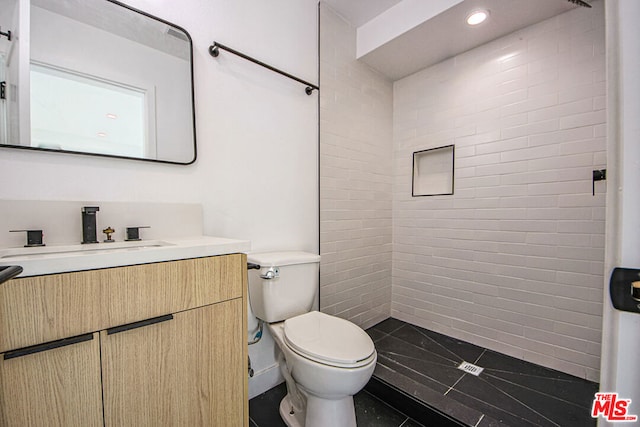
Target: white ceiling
{"points": [[447, 34], [359, 12], [123, 22]]}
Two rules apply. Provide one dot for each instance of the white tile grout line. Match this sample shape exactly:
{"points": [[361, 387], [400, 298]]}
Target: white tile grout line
{"points": [[478, 423], [456, 383], [481, 354]]}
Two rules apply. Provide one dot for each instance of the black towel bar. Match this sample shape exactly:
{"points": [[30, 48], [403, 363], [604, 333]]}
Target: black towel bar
{"points": [[214, 50]]}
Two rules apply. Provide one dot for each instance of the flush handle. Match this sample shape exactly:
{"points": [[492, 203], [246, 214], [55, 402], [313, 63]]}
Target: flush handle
{"points": [[272, 273]]}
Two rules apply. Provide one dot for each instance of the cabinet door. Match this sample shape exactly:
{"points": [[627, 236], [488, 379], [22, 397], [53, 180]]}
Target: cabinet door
{"points": [[55, 384], [185, 369]]}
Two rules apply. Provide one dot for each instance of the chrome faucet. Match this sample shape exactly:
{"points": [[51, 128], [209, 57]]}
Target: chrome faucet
{"points": [[89, 228]]}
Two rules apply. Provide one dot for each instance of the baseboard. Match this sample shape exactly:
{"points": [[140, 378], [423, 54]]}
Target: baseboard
{"points": [[265, 380]]}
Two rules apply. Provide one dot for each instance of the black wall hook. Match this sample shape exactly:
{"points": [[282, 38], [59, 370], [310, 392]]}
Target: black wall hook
{"points": [[7, 34], [598, 175]]}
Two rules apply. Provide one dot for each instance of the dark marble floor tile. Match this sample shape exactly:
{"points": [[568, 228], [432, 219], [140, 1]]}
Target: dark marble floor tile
{"points": [[389, 325], [449, 348], [375, 334], [502, 362], [487, 421], [558, 411], [554, 383], [580, 392], [497, 416], [264, 409], [371, 412], [421, 389], [416, 362], [477, 393], [411, 423]]}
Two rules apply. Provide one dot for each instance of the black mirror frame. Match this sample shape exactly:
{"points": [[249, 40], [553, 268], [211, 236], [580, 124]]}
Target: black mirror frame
{"points": [[193, 106]]}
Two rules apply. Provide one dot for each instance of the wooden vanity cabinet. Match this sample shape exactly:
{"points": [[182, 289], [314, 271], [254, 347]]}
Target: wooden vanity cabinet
{"points": [[160, 344], [52, 386]]}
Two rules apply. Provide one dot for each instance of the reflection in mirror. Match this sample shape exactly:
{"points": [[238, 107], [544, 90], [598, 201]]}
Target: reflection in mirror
{"points": [[97, 77], [107, 118]]}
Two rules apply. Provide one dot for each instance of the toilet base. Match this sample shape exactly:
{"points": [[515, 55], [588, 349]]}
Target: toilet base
{"points": [[320, 413], [291, 419]]}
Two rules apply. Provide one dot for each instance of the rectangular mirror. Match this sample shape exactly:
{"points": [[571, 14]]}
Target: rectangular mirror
{"points": [[96, 77]]}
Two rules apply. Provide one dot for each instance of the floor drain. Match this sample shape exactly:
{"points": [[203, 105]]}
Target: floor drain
{"points": [[470, 368]]}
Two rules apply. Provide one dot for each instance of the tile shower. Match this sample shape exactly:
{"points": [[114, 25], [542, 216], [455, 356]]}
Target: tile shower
{"points": [[513, 260]]}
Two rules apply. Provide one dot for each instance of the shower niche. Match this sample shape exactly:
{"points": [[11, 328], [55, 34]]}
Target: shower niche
{"points": [[433, 171]]}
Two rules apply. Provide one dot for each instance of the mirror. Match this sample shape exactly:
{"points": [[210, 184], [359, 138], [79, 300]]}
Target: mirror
{"points": [[95, 77]]}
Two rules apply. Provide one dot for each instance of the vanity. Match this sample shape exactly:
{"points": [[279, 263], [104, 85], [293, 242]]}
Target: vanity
{"points": [[150, 333], [158, 340]]}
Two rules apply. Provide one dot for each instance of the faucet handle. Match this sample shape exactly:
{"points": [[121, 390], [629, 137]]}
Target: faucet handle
{"points": [[34, 237], [133, 233], [90, 210], [108, 231]]}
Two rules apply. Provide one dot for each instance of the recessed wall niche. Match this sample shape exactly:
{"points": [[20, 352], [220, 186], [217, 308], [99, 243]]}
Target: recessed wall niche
{"points": [[433, 172]]}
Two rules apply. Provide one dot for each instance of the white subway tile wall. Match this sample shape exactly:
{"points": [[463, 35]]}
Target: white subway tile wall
{"points": [[513, 261], [356, 182]]}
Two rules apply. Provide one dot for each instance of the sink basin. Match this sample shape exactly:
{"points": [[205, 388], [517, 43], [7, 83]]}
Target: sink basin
{"points": [[61, 259], [49, 251]]}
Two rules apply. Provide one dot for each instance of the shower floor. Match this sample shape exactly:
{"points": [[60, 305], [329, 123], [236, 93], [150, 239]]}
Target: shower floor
{"points": [[417, 373]]}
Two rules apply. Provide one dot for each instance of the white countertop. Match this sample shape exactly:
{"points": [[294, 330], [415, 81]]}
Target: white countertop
{"points": [[37, 261]]}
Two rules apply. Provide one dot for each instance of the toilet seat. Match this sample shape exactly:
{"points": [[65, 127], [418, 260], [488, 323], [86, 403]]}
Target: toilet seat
{"points": [[328, 340]]}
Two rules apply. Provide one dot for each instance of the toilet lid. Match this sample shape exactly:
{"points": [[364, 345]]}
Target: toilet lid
{"points": [[328, 339]]}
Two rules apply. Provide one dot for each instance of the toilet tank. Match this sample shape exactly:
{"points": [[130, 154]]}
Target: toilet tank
{"points": [[292, 288]]}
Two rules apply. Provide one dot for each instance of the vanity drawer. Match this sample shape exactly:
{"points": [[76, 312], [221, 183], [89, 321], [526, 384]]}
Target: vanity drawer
{"points": [[39, 309]]}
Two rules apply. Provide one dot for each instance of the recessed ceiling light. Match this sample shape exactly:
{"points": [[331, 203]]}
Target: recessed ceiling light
{"points": [[102, 134], [477, 17], [111, 116]]}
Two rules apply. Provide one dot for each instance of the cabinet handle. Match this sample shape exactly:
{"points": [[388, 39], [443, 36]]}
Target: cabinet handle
{"points": [[9, 272], [47, 346], [139, 324]]}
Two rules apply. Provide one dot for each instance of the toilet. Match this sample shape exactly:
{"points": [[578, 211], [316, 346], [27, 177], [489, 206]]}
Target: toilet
{"points": [[325, 359]]}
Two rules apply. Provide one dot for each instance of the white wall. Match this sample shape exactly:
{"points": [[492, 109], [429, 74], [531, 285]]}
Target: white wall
{"points": [[513, 261], [256, 173], [355, 149]]}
